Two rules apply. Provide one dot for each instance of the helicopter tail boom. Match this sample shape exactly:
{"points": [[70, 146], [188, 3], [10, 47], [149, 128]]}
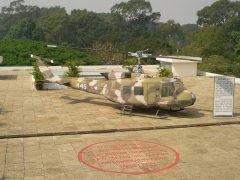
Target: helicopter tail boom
{"points": [[89, 85]]}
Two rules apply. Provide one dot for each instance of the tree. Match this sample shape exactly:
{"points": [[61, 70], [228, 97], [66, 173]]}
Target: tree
{"points": [[15, 7], [54, 23], [138, 15], [14, 13], [235, 37], [171, 30], [22, 30], [172, 33], [38, 34], [189, 28], [218, 13], [133, 10], [85, 28], [108, 52]]}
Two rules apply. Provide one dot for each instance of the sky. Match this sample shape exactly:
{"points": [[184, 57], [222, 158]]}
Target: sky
{"points": [[182, 11]]}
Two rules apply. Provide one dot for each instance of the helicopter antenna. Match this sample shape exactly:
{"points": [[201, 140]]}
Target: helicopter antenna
{"points": [[139, 55]]}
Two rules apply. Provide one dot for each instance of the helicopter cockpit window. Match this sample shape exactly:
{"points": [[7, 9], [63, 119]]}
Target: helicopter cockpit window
{"points": [[166, 91], [138, 90], [179, 88], [126, 89]]}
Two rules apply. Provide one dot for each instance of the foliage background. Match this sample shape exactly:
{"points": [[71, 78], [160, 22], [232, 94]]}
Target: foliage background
{"points": [[130, 26], [17, 53]]}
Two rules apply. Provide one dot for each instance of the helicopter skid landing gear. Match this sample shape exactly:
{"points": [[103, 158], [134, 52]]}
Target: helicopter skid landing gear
{"points": [[126, 109], [161, 116]]}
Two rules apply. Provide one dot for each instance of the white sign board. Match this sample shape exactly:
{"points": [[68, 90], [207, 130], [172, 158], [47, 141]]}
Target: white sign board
{"points": [[224, 96]]}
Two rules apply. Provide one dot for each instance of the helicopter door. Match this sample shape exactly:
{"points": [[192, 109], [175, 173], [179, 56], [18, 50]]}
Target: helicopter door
{"points": [[154, 94]]}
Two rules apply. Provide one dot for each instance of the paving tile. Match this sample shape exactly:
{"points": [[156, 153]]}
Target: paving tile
{"points": [[205, 152], [14, 158], [31, 149], [13, 174], [49, 112], [33, 165], [34, 172], [14, 148], [54, 171], [15, 167], [70, 162], [55, 177], [87, 175], [32, 157], [34, 178]]}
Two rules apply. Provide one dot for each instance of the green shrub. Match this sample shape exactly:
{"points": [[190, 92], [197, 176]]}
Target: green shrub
{"points": [[164, 72], [39, 79], [130, 64], [130, 68], [73, 70], [16, 52]]}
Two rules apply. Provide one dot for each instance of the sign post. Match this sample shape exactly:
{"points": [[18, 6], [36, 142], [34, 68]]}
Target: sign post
{"points": [[224, 97]]}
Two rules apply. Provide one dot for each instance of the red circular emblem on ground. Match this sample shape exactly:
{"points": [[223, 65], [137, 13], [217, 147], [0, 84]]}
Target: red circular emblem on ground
{"points": [[129, 157]]}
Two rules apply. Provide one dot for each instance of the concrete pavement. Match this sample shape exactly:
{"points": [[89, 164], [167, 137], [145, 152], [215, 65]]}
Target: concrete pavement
{"points": [[205, 154], [210, 152], [29, 112]]}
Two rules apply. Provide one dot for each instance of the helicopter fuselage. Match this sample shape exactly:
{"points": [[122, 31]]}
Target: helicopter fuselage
{"points": [[139, 90]]}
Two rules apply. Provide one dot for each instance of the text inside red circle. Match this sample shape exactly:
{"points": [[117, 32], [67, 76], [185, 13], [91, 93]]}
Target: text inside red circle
{"points": [[129, 157]]}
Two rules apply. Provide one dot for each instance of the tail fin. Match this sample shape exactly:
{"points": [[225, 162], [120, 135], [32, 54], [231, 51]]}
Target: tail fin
{"points": [[46, 71]]}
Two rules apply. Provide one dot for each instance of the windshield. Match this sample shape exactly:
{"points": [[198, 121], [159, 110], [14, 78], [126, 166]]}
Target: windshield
{"points": [[167, 90], [179, 87]]}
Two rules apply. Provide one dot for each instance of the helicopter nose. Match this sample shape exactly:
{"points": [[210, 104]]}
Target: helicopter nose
{"points": [[193, 98], [186, 98]]}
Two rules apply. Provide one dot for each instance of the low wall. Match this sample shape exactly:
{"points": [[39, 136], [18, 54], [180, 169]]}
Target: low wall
{"points": [[208, 74], [59, 70], [99, 68]]}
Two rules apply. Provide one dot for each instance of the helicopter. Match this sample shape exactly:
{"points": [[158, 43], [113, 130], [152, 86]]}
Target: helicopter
{"points": [[132, 89]]}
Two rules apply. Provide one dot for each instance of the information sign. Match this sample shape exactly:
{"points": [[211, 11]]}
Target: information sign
{"points": [[224, 96]]}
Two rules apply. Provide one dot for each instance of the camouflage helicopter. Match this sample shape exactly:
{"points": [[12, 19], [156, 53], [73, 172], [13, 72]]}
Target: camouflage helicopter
{"points": [[138, 89], [133, 90]]}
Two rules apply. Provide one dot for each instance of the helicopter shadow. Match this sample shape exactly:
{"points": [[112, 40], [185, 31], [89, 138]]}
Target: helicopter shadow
{"points": [[237, 115], [186, 113], [2, 111], [3, 124], [90, 100]]}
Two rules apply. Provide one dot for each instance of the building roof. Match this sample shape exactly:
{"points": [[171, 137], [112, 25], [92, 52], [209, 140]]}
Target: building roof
{"points": [[179, 59]]}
